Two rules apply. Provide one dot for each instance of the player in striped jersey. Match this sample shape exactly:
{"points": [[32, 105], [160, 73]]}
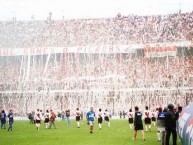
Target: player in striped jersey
{"points": [[147, 119], [130, 118], [107, 116], [100, 118], [78, 114]]}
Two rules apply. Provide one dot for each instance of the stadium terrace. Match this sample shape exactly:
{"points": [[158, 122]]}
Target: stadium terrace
{"points": [[135, 60]]}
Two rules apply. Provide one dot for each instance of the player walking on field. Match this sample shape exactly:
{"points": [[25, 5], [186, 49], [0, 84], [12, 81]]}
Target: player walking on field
{"points": [[100, 118], [153, 117], [147, 119], [38, 120], [138, 124], [3, 119], [90, 119], [130, 118], [107, 115], [78, 114], [11, 120], [47, 118]]}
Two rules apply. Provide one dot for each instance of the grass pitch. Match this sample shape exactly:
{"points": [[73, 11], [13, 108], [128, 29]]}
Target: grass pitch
{"points": [[118, 134]]}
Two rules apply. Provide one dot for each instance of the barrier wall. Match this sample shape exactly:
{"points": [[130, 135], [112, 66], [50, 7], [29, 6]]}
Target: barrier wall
{"points": [[185, 125]]}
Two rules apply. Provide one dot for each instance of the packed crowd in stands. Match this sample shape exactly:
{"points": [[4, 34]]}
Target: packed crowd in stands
{"points": [[80, 32], [69, 80], [96, 72], [104, 80]]}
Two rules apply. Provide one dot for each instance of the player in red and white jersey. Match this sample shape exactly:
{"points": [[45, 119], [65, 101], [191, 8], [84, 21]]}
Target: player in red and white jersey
{"points": [[130, 118], [153, 117], [38, 120], [78, 114], [107, 116], [100, 118], [47, 118], [37, 112], [147, 119]]}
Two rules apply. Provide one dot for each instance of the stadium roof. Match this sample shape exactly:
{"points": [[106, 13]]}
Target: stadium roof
{"points": [[73, 9]]}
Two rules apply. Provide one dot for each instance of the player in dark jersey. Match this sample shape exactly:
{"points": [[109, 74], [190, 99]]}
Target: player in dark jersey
{"points": [[11, 120], [3, 119], [138, 124]]}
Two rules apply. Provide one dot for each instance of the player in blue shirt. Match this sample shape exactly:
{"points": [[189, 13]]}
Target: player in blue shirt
{"points": [[90, 118], [161, 125], [10, 117]]}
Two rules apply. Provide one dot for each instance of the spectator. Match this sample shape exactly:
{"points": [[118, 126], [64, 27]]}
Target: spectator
{"points": [[68, 117], [161, 125], [59, 75], [52, 119], [178, 112], [170, 124]]}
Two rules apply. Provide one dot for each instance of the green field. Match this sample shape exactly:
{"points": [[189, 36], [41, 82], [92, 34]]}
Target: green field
{"points": [[118, 134]]}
